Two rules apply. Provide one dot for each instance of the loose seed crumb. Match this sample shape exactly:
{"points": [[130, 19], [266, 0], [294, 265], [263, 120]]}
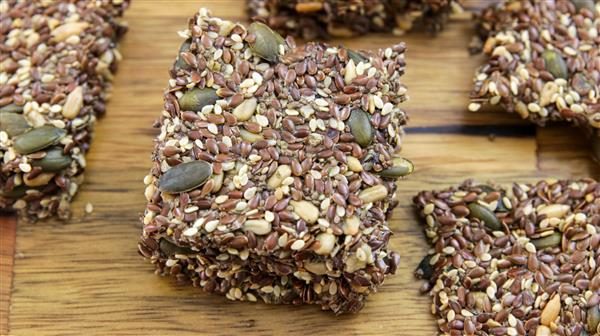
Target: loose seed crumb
{"points": [[89, 208]]}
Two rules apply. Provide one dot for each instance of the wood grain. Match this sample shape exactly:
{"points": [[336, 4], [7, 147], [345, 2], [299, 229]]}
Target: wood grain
{"points": [[85, 276], [8, 227]]}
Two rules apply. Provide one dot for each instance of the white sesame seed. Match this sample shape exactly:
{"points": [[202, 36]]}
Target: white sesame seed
{"points": [[262, 120], [190, 231], [297, 245], [25, 167], [212, 128], [211, 225], [474, 107], [89, 208]]}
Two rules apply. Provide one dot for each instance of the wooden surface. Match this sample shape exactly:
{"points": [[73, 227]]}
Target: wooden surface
{"points": [[7, 251], [86, 277]]}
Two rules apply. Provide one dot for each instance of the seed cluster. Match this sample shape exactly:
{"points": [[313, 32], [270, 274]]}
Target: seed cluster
{"points": [[332, 18], [56, 62], [274, 171], [520, 261], [544, 61]]}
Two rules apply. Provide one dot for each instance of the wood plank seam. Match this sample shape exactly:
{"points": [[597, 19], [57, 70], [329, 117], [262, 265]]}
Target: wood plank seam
{"points": [[538, 158]]}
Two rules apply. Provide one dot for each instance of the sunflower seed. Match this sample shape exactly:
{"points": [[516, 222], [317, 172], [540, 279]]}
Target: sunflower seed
{"points": [[551, 310], [306, 211], [258, 226], [246, 109], [73, 104], [64, 31], [326, 243], [373, 194], [38, 180]]}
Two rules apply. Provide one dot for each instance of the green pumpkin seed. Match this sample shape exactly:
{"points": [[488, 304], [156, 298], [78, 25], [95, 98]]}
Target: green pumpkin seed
{"points": [[555, 64], [11, 108], [424, 270], [267, 42], [38, 139], [356, 56], [581, 4], [170, 249], [13, 124], [185, 177], [552, 240], [402, 167], [593, 318], [55, 160], [16, 192], [180, 63], [360, 127], [196, 99], [485, 215]]}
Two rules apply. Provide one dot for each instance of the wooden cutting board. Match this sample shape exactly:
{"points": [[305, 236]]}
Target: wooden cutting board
{"points": [[86, 277]]}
